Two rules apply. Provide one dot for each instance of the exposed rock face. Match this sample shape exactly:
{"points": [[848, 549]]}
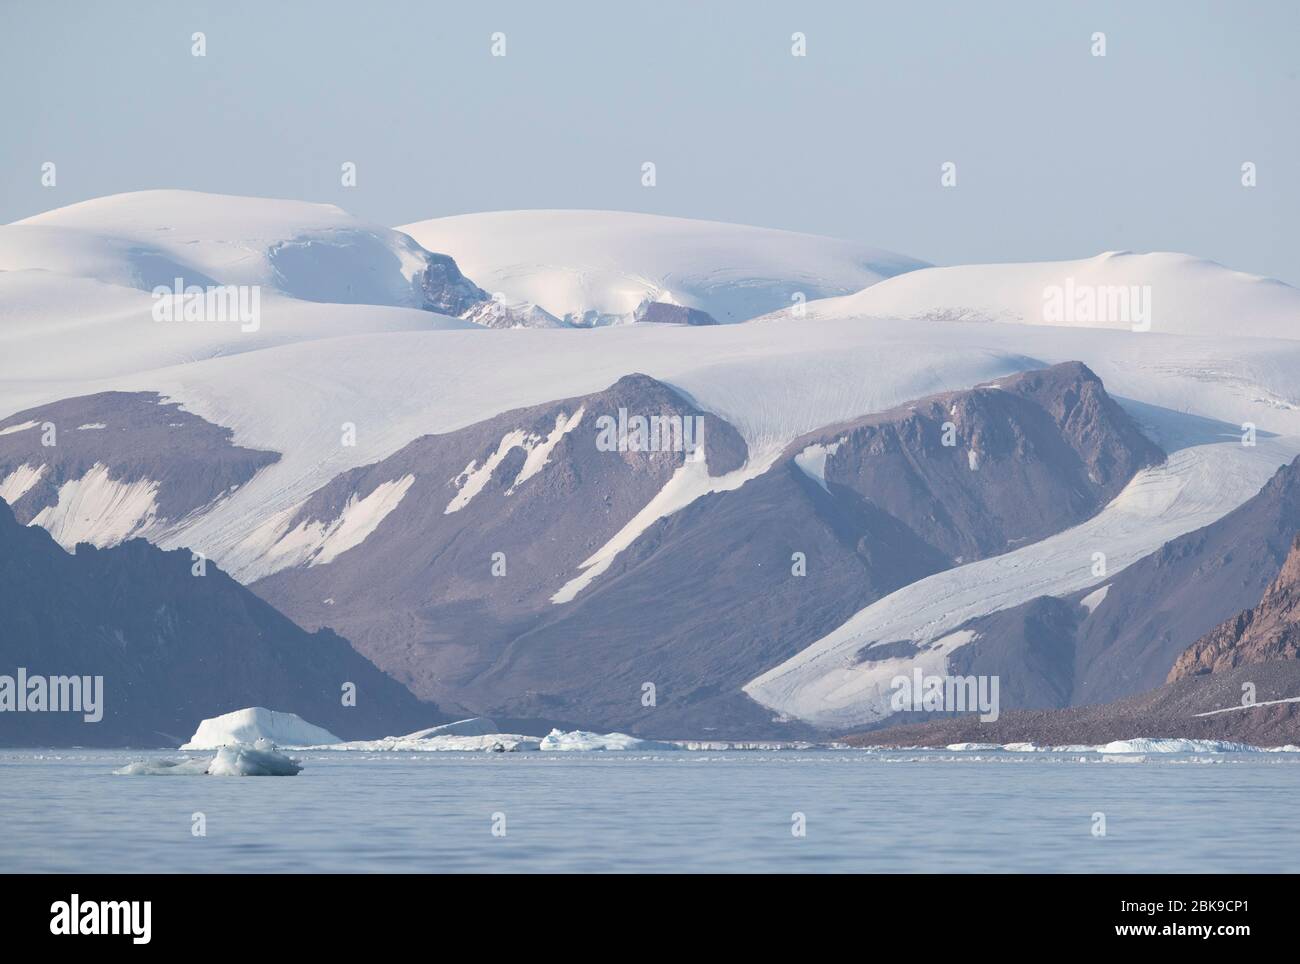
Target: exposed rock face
{"points": [[498, 314], [660, 313], [975, 473], [103, 468], [704, 599], [172, 647], [445, 289], [1266, 632], [442, 287]]}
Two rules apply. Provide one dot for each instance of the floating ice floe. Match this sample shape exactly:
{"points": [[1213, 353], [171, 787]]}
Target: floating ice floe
{"points": [[261, 759], [189, 766], [479, 734], [1136, 745], [582, 740], [256, 723], [475, 734]]}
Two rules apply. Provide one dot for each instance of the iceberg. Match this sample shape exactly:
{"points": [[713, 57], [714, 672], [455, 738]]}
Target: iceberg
{"points": [[1141, 744], [260, 759], [582, 740], [190, 766], [422, 742], [258, 723], [1150, 745]]}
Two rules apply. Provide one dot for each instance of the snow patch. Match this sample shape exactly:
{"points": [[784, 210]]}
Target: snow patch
{"points": [[690, 482], [99, 510], [540, 454], [1249, 706], [1094, 599], [15, 485], [470, 482], [21, 427], [316, 542], [812, 460]]}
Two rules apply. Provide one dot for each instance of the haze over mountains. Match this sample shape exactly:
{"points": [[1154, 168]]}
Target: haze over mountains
{"points": [[916, 471]]}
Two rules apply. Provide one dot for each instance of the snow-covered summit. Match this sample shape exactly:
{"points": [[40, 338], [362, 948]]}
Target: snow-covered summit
{"points": [[1159, 292], [312, 252], [599, 267]]}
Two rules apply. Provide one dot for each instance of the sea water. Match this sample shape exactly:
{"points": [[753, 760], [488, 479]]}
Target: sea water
{"points": [[794, 811]]}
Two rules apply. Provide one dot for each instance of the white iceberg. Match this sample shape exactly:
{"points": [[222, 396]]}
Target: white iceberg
{"points": [[463, 736], [258, 723], [260, 759], [582, 740], [423, 742], [1151, 745], [1141, 744]]}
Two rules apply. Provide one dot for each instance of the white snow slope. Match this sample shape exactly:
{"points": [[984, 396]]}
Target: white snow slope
{"points": [[609, 262], [1166, 293], [83, 276]]}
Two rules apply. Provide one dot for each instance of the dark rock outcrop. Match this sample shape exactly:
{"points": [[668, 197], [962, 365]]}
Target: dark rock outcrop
{"points": [[1266, 632], [660, 313], [172, 647]]}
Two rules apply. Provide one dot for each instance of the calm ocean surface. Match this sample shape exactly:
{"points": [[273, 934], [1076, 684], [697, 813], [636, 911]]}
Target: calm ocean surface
{"points": [[865, 811]]}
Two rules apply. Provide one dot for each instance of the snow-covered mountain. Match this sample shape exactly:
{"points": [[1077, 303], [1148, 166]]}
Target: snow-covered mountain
{"points": [[1159, 292], [603, 267], [292, 445], [311, 252]]}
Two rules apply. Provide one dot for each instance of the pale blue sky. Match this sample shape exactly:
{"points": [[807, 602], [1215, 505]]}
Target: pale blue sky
{"points": [[1059, 154]]}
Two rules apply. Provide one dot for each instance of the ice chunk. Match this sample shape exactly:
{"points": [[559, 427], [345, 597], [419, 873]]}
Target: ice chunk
{"points": [[259, 760], [188, 766], [582, 740], [258, 723]]}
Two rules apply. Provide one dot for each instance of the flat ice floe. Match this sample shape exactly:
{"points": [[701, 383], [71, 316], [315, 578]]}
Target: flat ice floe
{"points": [[479, 735], [1140, 744], [582, 740]]}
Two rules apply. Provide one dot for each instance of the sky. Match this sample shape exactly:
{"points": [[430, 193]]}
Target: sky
{"points": [[1058, 153]]}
